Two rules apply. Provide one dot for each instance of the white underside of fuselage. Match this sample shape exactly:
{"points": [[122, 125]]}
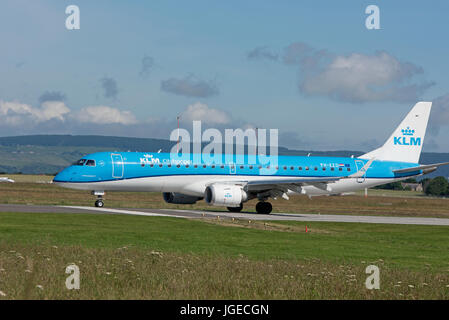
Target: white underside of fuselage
{"points": [[195, 185]]}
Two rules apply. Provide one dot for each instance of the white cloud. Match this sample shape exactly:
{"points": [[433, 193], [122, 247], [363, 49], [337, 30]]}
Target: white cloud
{"points": [[363, 78], [354, 78], [200, 111], [16, 113], [105, 115]]}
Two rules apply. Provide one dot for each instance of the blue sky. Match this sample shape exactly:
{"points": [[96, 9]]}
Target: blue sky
{"points": [[134, 66]]}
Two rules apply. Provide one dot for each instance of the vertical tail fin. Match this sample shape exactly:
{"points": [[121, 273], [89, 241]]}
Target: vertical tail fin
{"points": [[406, 142]]}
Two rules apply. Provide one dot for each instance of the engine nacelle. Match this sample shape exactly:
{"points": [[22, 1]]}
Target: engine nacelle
{"points": [[225, 195], [179, 198]]}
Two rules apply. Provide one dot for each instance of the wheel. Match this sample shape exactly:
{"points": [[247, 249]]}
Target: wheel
{"points": [[236, 209], [99, 203], [263, 207]]}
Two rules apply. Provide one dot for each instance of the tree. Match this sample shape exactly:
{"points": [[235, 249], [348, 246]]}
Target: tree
{"points": [[391, 186], [438, 186]]}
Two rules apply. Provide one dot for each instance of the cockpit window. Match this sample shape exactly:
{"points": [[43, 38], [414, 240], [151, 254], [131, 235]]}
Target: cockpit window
{"points": [[90, 163], [80, 162]]}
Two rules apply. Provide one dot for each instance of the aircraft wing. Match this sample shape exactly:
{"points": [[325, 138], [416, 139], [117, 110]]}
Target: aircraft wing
{"points": [[295, 184], [292, 184], [426, 167]]}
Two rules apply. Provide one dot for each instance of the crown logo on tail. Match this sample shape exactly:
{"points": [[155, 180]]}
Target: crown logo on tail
{"points": [[408, 132]]}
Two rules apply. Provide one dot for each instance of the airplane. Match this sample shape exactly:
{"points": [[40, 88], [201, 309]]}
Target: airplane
{"points": [[232, 184], [6, 179]]}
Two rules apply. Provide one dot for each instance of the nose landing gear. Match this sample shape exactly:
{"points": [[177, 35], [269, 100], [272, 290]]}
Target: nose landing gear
{"points": [[99, 203]]}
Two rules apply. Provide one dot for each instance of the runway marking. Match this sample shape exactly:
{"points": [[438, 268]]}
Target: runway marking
{"points": [[130, 212]]}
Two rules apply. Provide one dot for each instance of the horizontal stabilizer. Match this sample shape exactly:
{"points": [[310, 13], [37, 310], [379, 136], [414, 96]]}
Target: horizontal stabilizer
{"points": [[424, 167]]}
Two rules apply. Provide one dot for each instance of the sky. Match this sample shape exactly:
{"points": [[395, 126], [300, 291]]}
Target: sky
{"points": [[310, 69]]}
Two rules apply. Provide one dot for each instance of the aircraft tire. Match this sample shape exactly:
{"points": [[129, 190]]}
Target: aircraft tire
{"points": [[263, 207], [235, 209]]}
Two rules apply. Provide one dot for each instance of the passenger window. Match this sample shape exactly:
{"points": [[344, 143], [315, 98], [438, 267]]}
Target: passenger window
{"points": [[160, 165], [324, 168], [332, 169], [292, 168], [241, 167], [307, 168], [204, 166], [340, 169], [187, 165], [169, 166], [177, 166], [315, 169], [222, 166], [250, 167], [151, 165], [349, 169], [195, 166], [299, 168], [90, 163], [285, 168], [213, 166]]}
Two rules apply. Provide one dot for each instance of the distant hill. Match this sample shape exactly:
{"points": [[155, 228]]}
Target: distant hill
{"points": [[51, 153]]}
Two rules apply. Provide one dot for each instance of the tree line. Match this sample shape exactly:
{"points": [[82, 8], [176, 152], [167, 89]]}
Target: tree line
{"points": [[438, 186]]}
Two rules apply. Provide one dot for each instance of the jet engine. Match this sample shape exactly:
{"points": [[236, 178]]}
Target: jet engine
{"points": [[225, 195], [179, 198]]}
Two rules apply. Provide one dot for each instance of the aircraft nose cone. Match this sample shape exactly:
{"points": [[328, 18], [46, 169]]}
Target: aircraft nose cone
{"points": [[64, 176]]}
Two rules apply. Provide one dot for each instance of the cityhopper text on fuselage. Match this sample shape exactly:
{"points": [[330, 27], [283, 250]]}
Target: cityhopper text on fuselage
{"points": [[232, 182]]}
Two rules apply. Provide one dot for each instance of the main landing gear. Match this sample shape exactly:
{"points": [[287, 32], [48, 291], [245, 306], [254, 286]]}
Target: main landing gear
{"points": [[235, 209], [263, 207], [99, 203]]}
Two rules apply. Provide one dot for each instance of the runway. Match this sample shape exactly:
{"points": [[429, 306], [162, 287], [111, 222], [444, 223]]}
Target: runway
{"points": [[194, 214]]}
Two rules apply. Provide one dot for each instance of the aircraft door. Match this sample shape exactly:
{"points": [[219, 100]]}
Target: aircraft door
{"points": [[117, 165]]}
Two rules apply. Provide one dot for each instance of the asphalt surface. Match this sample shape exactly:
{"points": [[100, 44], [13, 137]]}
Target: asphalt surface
{"points": [[192, 214]]}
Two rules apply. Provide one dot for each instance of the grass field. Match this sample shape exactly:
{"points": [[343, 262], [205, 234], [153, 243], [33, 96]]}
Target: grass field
{"points": [[148, 257], [135, 257]]}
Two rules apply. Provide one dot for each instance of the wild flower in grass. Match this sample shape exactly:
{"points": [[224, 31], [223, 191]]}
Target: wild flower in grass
{"points": [[411, 286], [2, 270], [28, 271], [397, 285], [40, 287], [156, 253], [108, 273], [2, 294], [425, 284], [447, 286], [54, 247]]}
